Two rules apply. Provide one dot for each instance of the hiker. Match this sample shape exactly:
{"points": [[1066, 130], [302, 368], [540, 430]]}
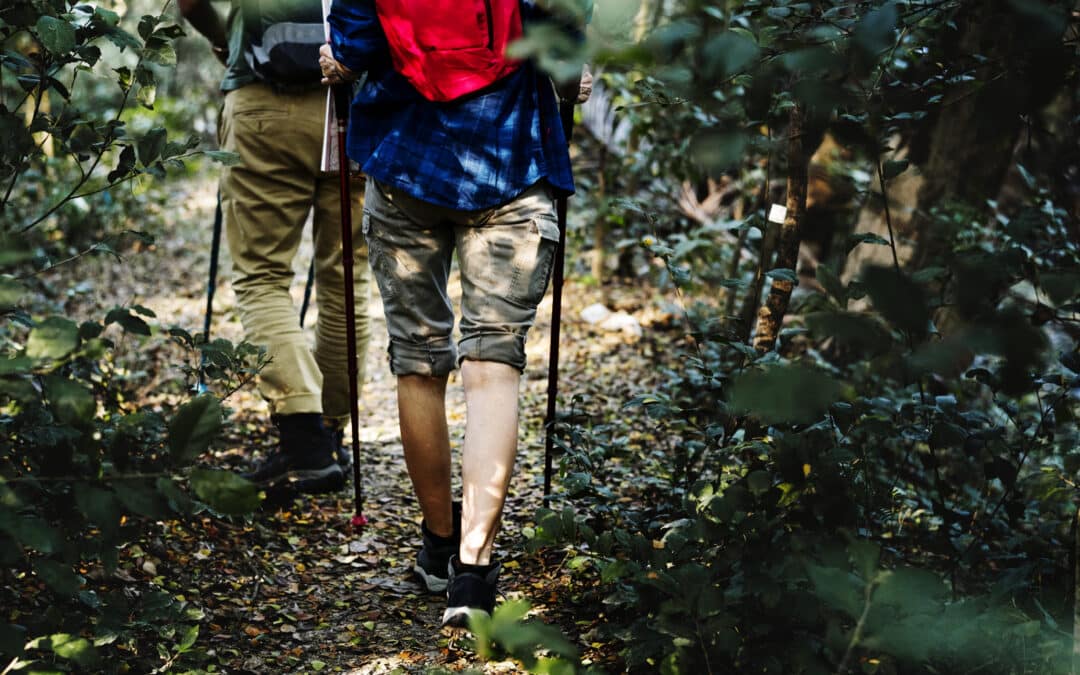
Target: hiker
{"points": [[478, 174], [273, 117]]}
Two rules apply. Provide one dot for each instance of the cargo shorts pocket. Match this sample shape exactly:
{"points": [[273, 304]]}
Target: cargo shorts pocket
{"points": [[381, 266], [533, 262]]}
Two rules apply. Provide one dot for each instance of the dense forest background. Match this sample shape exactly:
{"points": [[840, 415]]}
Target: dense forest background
{"points": [[844, 438]]}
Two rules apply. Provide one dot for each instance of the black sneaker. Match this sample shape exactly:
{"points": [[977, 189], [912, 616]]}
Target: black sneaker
{"points": [[433, 560], [305, 455], [471, 591]]}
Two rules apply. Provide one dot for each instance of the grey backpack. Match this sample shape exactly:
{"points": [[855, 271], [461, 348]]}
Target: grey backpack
{"points": [[284, 37]]}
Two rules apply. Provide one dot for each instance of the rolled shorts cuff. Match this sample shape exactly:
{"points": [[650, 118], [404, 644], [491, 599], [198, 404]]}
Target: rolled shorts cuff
{"points": [[434, 357], [508, 348]]}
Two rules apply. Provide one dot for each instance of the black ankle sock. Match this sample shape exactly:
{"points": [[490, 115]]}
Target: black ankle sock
{"points": [[444, 541], [303, 422], [480, 570]]}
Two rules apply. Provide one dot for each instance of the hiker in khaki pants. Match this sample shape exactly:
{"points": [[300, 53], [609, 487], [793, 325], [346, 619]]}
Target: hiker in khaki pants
{"points": [[277, 131]]}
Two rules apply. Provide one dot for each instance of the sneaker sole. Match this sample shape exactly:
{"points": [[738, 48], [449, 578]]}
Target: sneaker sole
{"points": [[325, 473], [433, 583], [457, 618], [331, 482]]}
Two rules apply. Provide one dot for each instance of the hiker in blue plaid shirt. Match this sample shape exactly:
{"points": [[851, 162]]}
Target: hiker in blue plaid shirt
{"points": [[478, 175]]}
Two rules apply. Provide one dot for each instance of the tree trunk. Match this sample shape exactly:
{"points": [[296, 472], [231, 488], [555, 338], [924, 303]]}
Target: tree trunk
{"points": [[771, 315], [753, 298], [964, 154]]}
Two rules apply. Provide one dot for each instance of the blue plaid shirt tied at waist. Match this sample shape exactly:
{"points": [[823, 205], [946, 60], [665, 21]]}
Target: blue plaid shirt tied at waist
{"points": [[470, 154]]}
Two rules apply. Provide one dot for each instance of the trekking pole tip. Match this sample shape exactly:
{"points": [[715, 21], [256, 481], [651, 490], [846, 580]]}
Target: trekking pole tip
{"points": [[359, 521]]}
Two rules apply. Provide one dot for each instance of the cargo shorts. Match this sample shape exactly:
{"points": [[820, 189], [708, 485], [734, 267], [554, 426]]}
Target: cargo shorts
{"points": [[505, 255]]}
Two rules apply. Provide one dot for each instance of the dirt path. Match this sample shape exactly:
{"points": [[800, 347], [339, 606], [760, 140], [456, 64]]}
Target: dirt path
{"points": [[294, 590]]}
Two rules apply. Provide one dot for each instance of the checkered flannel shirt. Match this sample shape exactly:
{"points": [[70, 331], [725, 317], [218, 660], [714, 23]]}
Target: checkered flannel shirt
{"points": [[470, 154]]}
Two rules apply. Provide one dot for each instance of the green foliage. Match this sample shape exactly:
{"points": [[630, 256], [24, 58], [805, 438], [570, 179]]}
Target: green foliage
{"points": [[891, 489], [84, 469], [83, 473], [68, 133], [538, 647]]}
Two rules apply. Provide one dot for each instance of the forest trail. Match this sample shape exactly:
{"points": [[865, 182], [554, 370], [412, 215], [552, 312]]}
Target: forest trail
{"points": [[292, 589]]}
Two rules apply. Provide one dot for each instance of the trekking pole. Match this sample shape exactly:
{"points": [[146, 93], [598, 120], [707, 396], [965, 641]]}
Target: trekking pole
{"points": [[307, 290], [566, 114], [342, 98], [211, 286]]}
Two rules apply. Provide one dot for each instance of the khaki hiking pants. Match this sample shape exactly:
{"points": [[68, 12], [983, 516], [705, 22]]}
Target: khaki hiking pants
{"points": [[265, 200]]}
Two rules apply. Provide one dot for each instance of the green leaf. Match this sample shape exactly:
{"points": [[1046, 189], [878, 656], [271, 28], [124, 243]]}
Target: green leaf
{"points": [[15, 366], [783, 274], [191, 634], [36, 534], [223, 157], [146, 96], [123, 39], [946, 357], [11, 293], [57, 35], [851, 330], [73, 648], [71, 401], [178, 498], [913, 591], [54, 338], [865, 555], [866, 238], [195, 425], [146, 26], [718, 151], [151, 145], [57, 576], [899, 299], [728, 53], [832, 284], [128, 321], [792, 393], [124, 165], [100, 507], [759, 482], [164, 54], [225, 491], [14, 250], [108, 17], [838, 588], [140, 498], [874, 33]]}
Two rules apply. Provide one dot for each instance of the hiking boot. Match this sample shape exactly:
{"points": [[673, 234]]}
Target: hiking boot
{"points": [[471, 591], [305, 455], [433, 560], [342, 454]]}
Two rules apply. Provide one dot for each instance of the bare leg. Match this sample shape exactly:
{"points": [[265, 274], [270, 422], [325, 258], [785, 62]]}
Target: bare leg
{"points": [[491, 432], [422, 416]]}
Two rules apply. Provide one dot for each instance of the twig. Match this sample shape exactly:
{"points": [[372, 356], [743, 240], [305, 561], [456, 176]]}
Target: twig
{"points": [[37, 108], [856, 635], [65, 261], [73, 193], [977, 539], [15, 663]]}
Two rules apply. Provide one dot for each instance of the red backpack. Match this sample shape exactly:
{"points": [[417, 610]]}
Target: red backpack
{"points": [[449, 48]]}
